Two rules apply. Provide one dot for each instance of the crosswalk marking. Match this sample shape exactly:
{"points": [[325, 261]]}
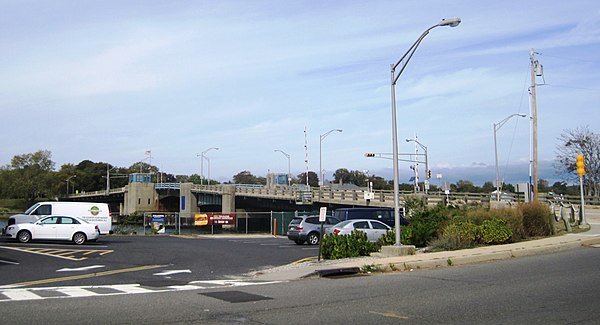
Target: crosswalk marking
{"points": [[25, 294]]}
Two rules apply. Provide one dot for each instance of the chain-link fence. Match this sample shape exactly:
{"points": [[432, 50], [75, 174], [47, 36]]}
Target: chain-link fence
{"points": [[157, 223]]}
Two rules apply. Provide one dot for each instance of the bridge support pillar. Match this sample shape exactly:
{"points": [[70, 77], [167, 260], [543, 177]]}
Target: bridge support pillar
{"points": [[140, 197], [228, 199], [188, 202]]}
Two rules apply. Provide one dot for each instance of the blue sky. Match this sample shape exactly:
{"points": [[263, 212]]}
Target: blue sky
{"points": [[109, 80]]}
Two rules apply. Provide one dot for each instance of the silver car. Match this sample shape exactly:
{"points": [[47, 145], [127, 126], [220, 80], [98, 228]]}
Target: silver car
{"points": [[373, 228], [308, 229]]}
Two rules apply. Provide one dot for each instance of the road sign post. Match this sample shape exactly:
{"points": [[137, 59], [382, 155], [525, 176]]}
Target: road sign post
{"points": [[322, 219]]}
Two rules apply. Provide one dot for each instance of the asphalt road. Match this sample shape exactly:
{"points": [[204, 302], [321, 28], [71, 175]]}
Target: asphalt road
{"points": [[137, 259], [559, 288]]}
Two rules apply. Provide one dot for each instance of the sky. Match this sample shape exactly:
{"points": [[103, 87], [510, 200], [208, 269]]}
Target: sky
{"points": [[108, 81]]}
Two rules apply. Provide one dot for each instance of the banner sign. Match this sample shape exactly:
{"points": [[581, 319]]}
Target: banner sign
{"points": [[204, 219], [221, 219], [200, 219], [157, 221]]}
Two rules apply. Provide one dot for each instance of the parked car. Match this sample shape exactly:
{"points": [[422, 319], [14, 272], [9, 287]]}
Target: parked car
{"points": [[385, 215], [55, 228], [308, 229], [373, 228]]}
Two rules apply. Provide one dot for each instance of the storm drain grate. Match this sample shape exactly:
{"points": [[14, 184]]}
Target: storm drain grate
{"points": [[235, 296]]}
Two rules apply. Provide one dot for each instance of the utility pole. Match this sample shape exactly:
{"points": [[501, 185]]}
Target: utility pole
{"points": [[535, 70]]}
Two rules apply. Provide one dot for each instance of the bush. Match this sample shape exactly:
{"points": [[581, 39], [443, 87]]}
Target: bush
{"points": [[537, 219], [425, 225], [461, 233], [495, 231], [344, 246], [389, 238], [513, 218]]}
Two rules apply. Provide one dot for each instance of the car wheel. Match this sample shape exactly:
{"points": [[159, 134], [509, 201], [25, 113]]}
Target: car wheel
{"points": [[299, 242], [313, 238], [24, 236], [79, 238]]}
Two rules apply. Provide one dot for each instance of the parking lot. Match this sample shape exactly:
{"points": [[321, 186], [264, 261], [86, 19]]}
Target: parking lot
{"points": [[146, 260]]}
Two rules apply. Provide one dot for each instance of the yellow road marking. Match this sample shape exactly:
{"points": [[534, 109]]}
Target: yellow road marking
{"points": [[60, 253], [304, 260], [391, 315], [83, 276]]}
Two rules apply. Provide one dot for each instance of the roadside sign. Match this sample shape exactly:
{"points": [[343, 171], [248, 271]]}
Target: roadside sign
{"points": [[323, 214]]}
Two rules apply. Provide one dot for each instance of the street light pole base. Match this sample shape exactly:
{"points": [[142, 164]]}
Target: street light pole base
{"points": [[402, 250]]}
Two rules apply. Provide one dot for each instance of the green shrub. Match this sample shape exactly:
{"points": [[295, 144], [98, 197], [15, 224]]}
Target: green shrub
{"points": [[460, 233], [512, 216], [495, 231], [344, 246], [537, 219], [425, 226]]}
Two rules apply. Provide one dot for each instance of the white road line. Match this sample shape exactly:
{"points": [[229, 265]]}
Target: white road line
{"points": [[173, 272], [75, 292], [85, 268], [9, 262], [130, 288], [20, 294]]}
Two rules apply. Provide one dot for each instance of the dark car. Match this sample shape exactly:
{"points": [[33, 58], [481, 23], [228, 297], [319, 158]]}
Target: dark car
{"points": [[385, 215], [308, 229]]}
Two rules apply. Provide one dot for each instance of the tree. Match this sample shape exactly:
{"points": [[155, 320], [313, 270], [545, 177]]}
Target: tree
{"points": [[356, 177], [574, 142], [246, 177], [30, 176], [464, 186], [313, 179], [488, 187]]}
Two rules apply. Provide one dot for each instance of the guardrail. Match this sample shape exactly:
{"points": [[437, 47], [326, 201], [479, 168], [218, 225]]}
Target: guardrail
{"points": [[346, 196]]}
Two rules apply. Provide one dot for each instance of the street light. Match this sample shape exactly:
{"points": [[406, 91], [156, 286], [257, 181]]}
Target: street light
{"points": [[289, 178], [321, 181], [452, 22], [68, 179], [208, 161], [416, 161], [202, 163], [497, 127]]}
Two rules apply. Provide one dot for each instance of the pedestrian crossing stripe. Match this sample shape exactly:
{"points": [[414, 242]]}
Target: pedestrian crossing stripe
{"points": [[68, 254], [28, 294]]}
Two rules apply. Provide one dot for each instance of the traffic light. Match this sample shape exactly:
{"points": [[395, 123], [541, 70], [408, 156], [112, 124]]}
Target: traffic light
{"points": [[580, 165], [369, 155], [429, 174]]}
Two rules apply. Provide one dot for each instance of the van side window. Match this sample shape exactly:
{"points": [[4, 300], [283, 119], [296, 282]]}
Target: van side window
{"points": [[43, 210]]}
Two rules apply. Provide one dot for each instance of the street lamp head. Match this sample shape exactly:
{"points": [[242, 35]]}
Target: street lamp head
{"points": [[522, 115], [452, 22]]}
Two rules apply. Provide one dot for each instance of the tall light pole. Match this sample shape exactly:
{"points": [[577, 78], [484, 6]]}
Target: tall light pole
{"points": [[321, 180], [452, 22], [416, 141], [208, 178], [289, 175], [202, 163], [68, 179], [497, 127]]}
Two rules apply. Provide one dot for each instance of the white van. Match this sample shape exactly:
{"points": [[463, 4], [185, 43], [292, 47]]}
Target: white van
{"points": [[94, 213]]}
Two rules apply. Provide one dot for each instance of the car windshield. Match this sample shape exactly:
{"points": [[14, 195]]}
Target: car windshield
{"points": [[33, 207]]}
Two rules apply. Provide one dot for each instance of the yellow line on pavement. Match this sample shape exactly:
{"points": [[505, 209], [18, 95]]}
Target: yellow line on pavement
{"points": [[391, 315], [304, 260], [82, 276]]}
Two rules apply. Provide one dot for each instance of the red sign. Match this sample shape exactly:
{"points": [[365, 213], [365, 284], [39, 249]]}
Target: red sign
{"points": [[221, 219]]}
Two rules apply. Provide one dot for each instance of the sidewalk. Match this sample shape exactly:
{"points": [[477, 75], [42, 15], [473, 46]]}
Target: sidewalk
{"points": [[442, 259]]}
